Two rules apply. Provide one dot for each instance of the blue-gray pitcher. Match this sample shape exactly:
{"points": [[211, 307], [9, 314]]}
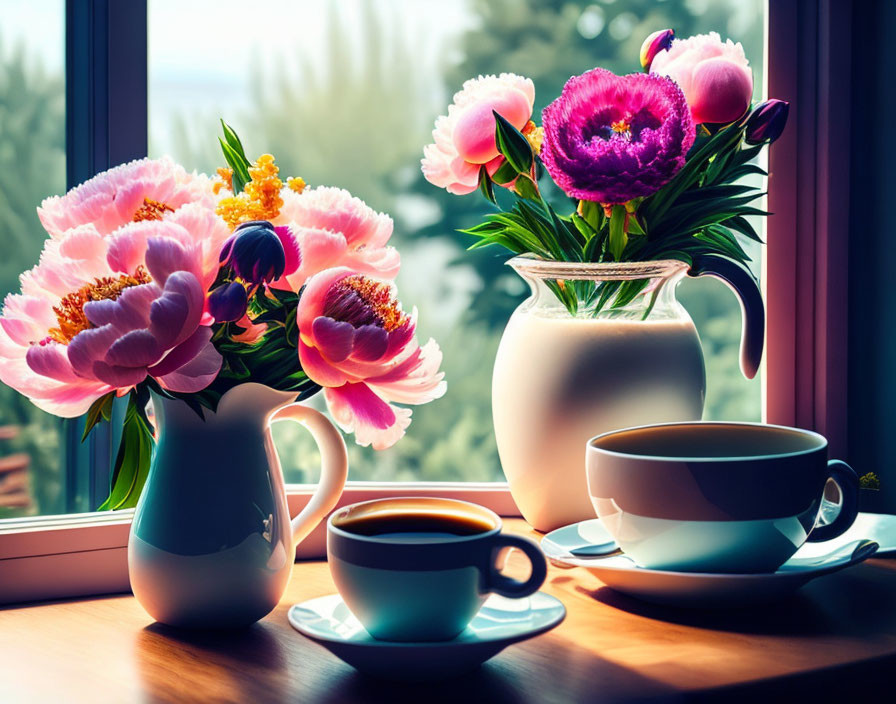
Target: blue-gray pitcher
{"points": [[212, 543]]}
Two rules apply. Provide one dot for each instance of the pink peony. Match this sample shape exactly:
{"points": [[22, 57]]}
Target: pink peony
{"points": [[99, 314], [715, 76], [146, 189], [328, 227], [465, 138], [355, 341], [195, 227]]}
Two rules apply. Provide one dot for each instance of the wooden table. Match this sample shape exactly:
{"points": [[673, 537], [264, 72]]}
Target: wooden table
{"points": [[837, 635]]}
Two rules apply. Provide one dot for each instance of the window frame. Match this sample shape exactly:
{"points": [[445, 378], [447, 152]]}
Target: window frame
{"points": [[805, 266], [106, 91]]}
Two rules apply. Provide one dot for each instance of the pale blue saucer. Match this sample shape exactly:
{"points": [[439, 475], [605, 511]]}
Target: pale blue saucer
{"points": [[501, 622], [712, 590]]}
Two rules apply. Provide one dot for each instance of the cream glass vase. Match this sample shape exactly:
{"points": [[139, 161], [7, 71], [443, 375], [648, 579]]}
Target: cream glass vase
{"points": [[629, 355]]}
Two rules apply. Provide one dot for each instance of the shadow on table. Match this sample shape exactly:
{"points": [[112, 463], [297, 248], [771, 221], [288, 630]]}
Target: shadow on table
{"points": [[562, 676], [483, 684], [246, 665], [852, 603], [269, 663]]}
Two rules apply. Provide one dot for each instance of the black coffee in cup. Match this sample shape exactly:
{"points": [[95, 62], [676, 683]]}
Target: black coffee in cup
{"points": [[421, 524]]}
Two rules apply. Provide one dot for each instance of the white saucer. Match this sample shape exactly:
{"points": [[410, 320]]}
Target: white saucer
{"points": [[500, 622], [701, 589]]}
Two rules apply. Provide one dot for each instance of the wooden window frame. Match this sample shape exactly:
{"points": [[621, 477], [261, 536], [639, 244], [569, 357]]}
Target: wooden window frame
{"points": [[805, 268]]}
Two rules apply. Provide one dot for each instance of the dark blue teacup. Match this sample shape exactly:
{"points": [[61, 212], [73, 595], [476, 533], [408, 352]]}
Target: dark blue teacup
{"points": [[716, 496], [419, 569]]}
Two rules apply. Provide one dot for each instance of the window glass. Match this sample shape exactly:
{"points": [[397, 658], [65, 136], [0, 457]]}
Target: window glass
{"points": [[345, 93], [32, 167]]}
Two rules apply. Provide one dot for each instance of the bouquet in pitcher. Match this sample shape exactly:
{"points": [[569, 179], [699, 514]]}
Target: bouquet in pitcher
{"points": [[155, 279], [653, 162], [628, 184]]}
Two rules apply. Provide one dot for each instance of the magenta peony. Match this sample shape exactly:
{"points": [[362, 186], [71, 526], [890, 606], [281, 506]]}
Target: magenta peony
{"points": [[358, 344], [465, 138], [714, 75], [611, 138]]}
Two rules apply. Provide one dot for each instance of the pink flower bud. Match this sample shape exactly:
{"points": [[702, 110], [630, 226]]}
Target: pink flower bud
{"points": [[715, 76], [767, 121], [654, 44]]}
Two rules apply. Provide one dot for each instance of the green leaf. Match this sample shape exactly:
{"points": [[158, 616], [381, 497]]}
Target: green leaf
{"points": [[100, 410], [618, 238], [743, 226], [238, 164], [233, 140], [746, 170], [634, 226], [583, 226], [134, 455], [593, 214], [505, 173], [485, 185], [628, 291], [567, 236], [513, 145], [526, 188], [565, 294], [594, 248]]}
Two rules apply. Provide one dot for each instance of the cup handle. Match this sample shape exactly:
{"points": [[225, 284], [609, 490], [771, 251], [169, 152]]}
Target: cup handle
{"points": [[848, 483], [507, 586], [333, 471]]}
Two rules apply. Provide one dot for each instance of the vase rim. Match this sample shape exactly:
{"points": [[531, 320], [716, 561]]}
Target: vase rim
{"points": [[528, 264]]}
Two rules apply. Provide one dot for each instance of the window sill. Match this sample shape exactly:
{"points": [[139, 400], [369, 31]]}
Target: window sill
{"points": [[85, 554]]}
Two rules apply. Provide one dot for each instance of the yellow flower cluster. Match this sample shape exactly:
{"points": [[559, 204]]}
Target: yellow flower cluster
{"points": [[296, 183], [226, 176], [260, 199]]}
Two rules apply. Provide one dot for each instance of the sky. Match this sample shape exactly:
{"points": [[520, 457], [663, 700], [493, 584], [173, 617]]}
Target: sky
{"points": [[201, 52]]}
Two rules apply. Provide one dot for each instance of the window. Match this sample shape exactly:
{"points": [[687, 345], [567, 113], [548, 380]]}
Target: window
{"points": [[204, 64]]}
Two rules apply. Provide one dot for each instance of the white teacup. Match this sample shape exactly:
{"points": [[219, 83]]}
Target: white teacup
{"points": [[419, 569], [715, 497]]}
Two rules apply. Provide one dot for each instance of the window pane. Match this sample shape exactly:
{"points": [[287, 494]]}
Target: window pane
{"points": [[32, 167], [345, 93]]}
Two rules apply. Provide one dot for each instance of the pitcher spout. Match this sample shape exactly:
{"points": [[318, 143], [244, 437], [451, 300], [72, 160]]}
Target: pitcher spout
{"points": [[253, 400]]}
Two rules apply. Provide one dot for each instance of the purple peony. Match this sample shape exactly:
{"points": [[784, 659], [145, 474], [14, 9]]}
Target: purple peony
{"points": [[611, 138]]}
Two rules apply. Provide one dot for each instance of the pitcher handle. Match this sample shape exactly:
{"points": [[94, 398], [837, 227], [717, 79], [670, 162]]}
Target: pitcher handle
{"points": [[742, 282], [333, 471]]}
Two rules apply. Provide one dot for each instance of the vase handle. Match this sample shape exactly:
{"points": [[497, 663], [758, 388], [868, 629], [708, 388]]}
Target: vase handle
{"points": [[333, 471], [742, 282]]}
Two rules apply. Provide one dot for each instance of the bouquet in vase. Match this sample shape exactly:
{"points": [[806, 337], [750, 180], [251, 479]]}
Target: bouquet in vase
{"points": [[158, 280], [652, 162]]}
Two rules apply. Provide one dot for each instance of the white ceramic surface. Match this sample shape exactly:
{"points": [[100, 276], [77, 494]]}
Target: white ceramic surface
{"points": [[707, 590], [501, 622], [583, 539]]}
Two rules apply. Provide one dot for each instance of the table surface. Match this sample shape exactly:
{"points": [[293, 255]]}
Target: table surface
{"points": [[836, 632]]}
